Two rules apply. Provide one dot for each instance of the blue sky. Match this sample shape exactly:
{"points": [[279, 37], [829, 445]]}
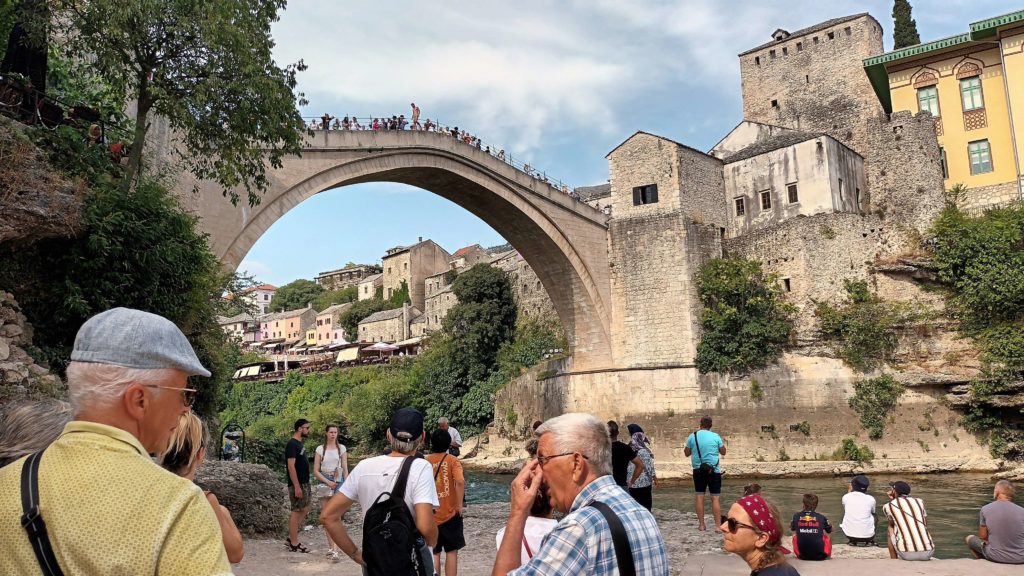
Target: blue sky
{"points": [[557, 83]]}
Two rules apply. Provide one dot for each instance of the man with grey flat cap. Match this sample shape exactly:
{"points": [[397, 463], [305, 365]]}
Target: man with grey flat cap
{"points": [[94, 502]]}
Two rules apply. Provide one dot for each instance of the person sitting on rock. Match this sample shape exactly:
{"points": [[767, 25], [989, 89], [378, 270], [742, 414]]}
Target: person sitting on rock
{"points": [[1001, 532], [859, 517], [186, 451], [811, 532]]}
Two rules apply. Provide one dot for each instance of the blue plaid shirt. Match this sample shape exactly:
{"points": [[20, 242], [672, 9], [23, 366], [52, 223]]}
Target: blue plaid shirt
{"points": [[582, 541]]}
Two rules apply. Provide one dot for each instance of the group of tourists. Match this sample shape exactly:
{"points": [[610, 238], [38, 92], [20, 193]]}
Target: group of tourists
{"points": [[113, 491], [400, 122]]}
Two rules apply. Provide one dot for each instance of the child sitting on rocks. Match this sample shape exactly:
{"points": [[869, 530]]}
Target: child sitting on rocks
{"points": [[811, 532]]}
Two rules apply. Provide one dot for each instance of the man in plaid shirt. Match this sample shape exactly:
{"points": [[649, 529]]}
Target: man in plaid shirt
{"points": [[574, 461]]}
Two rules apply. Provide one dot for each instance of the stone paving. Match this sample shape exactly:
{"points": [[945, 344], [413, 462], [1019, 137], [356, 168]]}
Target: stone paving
{"points": [[716, 565]]}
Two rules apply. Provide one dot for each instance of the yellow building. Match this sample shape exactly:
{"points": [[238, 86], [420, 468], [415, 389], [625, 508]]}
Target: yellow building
{"points": [[973, 84], [311, 337]]}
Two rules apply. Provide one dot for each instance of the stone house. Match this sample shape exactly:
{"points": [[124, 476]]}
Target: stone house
{"points": [[530, 296], [439, 301], [412, 265], [327, 322], [776, 173], [242, 328], [388, 325], [368, 286], [468, 257], [345, 277]]}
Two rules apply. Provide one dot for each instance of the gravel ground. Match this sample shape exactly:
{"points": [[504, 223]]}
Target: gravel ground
{"points": [[482, 522]]}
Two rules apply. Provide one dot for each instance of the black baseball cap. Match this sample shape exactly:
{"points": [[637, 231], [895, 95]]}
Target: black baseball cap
{"points": [[407, 424], [900, 487]]}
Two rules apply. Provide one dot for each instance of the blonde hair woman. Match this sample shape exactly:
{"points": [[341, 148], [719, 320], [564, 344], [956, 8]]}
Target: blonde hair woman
{"points": [[330, 466], [185, 452]]}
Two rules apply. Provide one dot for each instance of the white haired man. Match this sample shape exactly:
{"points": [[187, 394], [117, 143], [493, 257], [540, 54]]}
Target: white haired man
{"points": [[574, 462], [442, 423], [107, 507]]}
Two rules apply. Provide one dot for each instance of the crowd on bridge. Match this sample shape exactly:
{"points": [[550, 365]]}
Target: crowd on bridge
{"points": [[117, 466], [328, 122]]}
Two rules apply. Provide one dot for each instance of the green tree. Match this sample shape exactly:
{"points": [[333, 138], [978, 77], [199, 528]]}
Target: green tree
{"points": [[140, 250], [865, 329], [904, 26], [296, 294], [745, 322], [483, 320], [329, 298], [206, 67], [359, 311], [981, 260], [874, 399]]}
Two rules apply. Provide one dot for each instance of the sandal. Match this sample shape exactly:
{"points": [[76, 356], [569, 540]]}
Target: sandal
{"points": [[296, 547]]}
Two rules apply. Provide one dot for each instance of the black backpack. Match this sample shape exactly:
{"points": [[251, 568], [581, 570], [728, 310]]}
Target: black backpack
{"points": [[390, 538]]}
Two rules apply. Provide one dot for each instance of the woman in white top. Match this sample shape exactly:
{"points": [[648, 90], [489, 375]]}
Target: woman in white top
{"points": [[330, 467]]}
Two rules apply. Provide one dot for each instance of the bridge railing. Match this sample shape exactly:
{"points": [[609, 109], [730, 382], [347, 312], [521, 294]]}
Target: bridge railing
{"points": [[356, 124]]}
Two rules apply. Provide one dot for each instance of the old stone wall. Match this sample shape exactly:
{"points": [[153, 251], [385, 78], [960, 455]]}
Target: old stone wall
{"points": [[904, 169], [792, 426], [818, 86], [527, 290], [438, 305], [254, 495], [20, 376], [976, 200], [701, 180], [389, 329]]}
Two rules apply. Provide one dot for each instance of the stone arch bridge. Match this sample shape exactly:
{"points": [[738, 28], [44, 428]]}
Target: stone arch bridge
{"points": [[563, 240]]}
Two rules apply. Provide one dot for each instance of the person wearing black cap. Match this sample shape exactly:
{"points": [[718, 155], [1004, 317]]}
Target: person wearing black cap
{"points": [[908, 525], [859, 517], [375, 476]]}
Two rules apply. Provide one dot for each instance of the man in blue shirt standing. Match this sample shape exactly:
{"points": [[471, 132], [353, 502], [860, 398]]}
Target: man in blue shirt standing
{"points": [[704, 448]]}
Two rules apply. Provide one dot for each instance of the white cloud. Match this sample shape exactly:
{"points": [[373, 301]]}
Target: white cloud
{"points": [[256, 269]]}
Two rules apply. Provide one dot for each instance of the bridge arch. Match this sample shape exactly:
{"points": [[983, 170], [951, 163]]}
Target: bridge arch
{"points": [[563, 240]]}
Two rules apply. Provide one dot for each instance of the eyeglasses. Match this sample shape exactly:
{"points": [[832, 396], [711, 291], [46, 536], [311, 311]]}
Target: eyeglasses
{"points": [[188, 395], [734, 525], [544, 459]]}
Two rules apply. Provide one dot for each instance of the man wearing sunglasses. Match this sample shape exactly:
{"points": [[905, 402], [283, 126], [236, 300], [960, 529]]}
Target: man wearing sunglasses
{"points": [[574, 462], [107, 508]]}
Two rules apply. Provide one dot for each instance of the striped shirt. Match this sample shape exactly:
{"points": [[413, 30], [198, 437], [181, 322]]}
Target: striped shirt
{"points": [[581, 543], [907, 517]]}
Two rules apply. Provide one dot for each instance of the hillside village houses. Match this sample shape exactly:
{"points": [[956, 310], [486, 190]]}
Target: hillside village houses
{"points": [[257, 297], [350, 275], [368, 286]]}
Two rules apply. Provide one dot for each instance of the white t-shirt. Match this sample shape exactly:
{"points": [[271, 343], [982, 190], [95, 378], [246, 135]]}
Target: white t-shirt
{"points": [[456, 437], [330, 462], [374, 476], [534, 532], [859, 519]]}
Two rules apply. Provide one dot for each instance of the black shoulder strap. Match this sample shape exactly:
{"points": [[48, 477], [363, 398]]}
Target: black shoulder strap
{"points": [[623, 553], [32, 520], [697, 444], [439, 466], [398, 490]]}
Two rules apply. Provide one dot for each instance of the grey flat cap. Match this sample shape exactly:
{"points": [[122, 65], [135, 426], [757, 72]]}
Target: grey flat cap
{"points": [[135, 339]]}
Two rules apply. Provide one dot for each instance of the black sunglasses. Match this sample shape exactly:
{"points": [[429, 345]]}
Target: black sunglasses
{"points": [[734, 525]]}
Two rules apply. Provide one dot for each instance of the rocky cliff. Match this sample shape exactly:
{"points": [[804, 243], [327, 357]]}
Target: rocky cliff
{"points": [[20, 376]]}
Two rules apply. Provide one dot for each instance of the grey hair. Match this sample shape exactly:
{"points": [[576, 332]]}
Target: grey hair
{"points": [[442, 420], [403, 446], [92, 385], [1005, 487], [30, 426], [583, 433]]}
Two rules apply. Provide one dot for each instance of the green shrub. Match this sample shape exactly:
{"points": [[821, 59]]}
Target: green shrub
{"points": [[756, 393], [803, 428], [873, 400], [745, 322], [981, 261], [849, 451], [865, 329]]}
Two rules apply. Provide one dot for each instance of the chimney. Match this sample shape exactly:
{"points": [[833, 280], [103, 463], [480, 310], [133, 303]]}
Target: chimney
{"points": [[421, 239], [405, 320]]}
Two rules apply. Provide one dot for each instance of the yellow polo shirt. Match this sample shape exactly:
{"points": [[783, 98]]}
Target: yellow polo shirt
{"points": [[110, 510]]}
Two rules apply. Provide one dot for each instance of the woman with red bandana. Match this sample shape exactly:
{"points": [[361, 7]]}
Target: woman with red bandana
{"points": [[753, 531]]}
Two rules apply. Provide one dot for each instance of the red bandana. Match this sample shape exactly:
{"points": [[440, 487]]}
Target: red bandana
{"points": [[759, 513]]}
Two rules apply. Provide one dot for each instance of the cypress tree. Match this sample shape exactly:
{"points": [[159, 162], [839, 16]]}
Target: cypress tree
{"points": [[904, 27]]}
